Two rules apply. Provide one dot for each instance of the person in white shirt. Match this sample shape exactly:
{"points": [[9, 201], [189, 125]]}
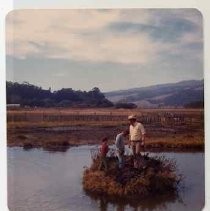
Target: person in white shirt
{"points": [[137, 135]]}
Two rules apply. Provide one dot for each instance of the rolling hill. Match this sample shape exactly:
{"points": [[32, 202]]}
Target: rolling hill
{"points": [[162, 95]]}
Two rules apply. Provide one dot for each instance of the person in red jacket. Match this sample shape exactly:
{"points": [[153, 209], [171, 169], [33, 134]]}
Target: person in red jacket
{"points": [[103, 152]]}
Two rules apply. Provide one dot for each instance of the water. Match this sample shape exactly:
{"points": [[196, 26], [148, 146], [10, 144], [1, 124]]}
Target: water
{"points": [[52, 181]]}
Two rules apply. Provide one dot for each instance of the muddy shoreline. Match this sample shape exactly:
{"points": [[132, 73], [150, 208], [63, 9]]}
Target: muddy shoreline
{"points": [[60, 138]]}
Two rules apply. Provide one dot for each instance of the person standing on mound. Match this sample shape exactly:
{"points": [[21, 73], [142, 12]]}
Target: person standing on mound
{"points": [[120, 147], [137, 135]]}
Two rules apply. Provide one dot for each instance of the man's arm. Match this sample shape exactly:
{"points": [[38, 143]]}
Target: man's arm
{"points": [[143, 132], [143, 139]]}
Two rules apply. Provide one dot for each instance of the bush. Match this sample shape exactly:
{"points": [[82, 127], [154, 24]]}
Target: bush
{"points": [[126, 105]]}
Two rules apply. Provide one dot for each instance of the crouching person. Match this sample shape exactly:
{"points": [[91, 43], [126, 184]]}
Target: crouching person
{"points": [[103, 152], [120, 147]]}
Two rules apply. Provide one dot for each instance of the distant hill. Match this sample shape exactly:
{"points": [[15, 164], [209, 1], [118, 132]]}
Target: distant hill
{"points": [[163, 95]]}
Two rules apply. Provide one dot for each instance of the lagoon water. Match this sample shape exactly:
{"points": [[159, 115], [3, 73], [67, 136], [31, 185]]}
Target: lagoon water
{"points": [[52, 181]]}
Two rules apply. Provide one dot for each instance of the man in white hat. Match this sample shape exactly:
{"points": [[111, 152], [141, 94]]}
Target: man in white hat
{"points": [[137, 134]]}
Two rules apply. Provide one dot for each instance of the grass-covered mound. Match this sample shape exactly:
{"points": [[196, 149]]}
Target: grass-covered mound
{"points": [[148, 176]]}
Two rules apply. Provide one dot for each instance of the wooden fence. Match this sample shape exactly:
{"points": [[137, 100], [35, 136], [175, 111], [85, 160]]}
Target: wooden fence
{"points": [[162, 118]]}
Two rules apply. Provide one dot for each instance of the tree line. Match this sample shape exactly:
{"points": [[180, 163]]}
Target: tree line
{"points": [[27, 94]]}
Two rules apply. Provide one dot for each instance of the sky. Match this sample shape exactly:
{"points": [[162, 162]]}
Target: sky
{"points": [[111, 49]]}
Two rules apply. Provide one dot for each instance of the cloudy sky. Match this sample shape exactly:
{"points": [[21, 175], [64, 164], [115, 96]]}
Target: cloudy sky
{"points": [[110, 49]]}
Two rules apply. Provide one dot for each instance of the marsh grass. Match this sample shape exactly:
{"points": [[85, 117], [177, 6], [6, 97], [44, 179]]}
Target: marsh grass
{"points": [[154, 176], [52, 132]]}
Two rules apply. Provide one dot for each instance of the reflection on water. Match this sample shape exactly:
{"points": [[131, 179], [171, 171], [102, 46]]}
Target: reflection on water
{"points": [[155, 203], [40, 180]]}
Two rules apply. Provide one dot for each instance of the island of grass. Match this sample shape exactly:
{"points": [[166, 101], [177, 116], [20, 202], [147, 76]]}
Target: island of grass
{"points": [[141, 177]]}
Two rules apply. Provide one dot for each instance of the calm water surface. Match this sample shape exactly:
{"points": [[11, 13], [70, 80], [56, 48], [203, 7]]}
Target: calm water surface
{"points": [[52, 181]]}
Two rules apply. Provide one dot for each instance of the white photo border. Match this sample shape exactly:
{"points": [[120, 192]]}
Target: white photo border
{"points": [[8, 5]]}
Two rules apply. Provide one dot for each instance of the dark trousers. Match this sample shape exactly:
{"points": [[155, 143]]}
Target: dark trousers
{"points": [[120, 156], [103, 163]]}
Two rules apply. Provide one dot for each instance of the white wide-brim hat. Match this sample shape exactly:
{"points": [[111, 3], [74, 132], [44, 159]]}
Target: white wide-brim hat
{"points": [[132, 117]]}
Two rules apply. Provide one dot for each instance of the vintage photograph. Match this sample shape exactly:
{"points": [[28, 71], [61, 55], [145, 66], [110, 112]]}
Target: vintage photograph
{"points": [[105, 110]]}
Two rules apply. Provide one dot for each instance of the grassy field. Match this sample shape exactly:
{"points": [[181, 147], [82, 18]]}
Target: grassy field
{"points": [[167, 129]]}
